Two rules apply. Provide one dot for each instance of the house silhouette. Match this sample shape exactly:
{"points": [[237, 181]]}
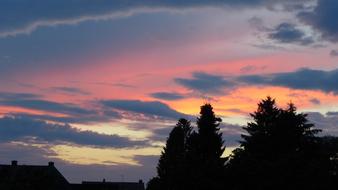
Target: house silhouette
{"points": [[91, 185], [47, 177]]}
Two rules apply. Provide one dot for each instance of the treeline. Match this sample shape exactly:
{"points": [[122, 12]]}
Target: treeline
{"points": [[280, 150]]}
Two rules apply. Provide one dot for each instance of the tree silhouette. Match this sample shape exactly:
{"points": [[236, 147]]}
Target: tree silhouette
{"points": [[205, 149], [275, 131], [154, 184], [172, 164], [280, 150]]}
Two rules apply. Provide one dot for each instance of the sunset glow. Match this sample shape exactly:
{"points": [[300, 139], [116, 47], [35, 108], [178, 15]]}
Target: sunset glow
{"points": [[105, 83]]}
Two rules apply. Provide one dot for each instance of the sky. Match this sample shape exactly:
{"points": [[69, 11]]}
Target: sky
{"points": [[97, 85]]}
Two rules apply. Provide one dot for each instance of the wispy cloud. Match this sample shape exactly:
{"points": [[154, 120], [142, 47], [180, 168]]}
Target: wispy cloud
{"points": [[15, 20], [306, 79], [21, 128], [55, 111], [147, 108], [167, 95], [69, 90]]}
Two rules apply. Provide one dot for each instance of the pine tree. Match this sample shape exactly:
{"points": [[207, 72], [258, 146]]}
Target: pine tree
{"points": [[171, 168], [277, 151], [206, 150]]}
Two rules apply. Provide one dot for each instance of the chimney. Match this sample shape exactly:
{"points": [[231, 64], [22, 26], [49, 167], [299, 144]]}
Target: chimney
{"points": [[14, 163], [51, 164]]}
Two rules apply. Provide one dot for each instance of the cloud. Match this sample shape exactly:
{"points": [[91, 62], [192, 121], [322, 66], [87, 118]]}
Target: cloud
{"points": [[105, 110], [234, 110], [315, 101], [20, 128], [167, 95], [231, 133], [70, 90], [71, 113], [161, 134], [330, 113], [288, 33], [327, 122], [205, 83], [334, 53], [18, 17], [25, 154], [45, 105], [323, 19], [11, 95], [305, 79], [148, 108], [257, 23], [73, 119], [251, 68], [296, 6]]}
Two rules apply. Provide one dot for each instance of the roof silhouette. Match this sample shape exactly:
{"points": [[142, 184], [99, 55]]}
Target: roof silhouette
{"points": [[28, 177], [47, 177], [91, 185]]}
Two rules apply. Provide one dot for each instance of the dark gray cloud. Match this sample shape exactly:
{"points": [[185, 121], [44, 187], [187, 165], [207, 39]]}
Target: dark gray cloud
{"points": [[315, 101], [330, 113], [148, 108], [161, 134], [327, 122], [234, 110], [288, 33], [45, 105], [12, 95], [20, 128], [78, 119], [25, 154], [25, 16], [73, 113], [232, 134], [205, 83], [167, 95], [323, 19], [334, 53], [251, 68], [69, 90], [105, 110], [306, 79]]}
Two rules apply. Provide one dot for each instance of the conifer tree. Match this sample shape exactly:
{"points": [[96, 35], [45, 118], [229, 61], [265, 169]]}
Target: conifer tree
{"points": [[276, 151], [206, 150], [171, 168]]}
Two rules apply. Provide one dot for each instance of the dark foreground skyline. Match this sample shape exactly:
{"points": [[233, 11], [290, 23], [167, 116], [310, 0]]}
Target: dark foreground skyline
{"points": [[280, 149], [40, 177]]}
